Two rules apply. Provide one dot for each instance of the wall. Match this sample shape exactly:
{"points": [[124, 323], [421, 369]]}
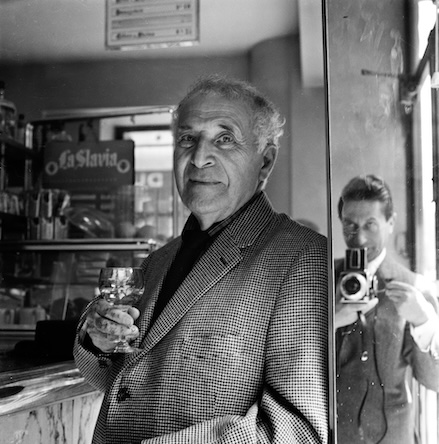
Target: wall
{"points": [[300, 174], [35, 88], [367, 134], [297, 186]]}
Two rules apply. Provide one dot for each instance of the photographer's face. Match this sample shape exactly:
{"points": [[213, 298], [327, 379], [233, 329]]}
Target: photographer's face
{"points": [[365, 226]]}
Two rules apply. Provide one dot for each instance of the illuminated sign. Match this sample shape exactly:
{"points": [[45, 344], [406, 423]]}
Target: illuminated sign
{"points": [[88, 166]]}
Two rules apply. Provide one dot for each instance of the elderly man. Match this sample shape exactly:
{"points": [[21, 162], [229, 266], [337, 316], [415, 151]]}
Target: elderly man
{"points": [[233, 320], [384, 341]]}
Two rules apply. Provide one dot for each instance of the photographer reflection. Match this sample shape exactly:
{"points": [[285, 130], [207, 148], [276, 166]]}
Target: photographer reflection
{"points": [[386, 321]]}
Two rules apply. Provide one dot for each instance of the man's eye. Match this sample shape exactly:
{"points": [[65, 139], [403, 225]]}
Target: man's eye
{"points": [[225, 139], [186, 141], [372, 226], [349, 228]]}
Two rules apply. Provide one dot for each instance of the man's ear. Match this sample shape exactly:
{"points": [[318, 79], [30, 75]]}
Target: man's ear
{"points": [[392, 221], [269, 159]]}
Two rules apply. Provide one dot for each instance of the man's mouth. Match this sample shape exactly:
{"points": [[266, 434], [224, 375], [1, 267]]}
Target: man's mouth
{"points": [[203, 182]]}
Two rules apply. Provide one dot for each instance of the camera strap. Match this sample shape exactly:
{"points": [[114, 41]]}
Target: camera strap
{"points": [[362, 322], [372, 424]]}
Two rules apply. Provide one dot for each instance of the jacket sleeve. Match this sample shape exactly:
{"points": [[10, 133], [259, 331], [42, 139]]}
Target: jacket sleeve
{"points": [[94, 367], [425, 363], [293, 405], [295, 398]]}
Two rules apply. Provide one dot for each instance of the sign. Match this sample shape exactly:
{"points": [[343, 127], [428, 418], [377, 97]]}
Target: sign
{"points": [[141, 24], [88, 166]]}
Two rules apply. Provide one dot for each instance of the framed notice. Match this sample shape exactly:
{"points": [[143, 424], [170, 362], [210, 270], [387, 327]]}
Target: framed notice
{"points": [[141, 24], [88, 166]]}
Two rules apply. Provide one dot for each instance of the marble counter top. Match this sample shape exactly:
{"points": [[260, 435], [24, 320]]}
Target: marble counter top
{"points": [[26, 389]]}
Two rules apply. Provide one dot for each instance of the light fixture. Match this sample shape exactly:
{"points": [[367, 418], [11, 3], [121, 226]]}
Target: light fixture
{"points": [[435, 76]]}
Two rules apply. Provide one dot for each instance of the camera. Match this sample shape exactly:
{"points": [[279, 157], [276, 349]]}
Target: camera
{"points": [[357, 286]]}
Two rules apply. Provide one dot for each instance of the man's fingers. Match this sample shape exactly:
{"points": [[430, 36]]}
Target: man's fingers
{"points": [[119, 316], [397, 285], [106, 339], [106, 323], [396, 296], [109, 327], [134, 312], [117, 313], [367, 307]]}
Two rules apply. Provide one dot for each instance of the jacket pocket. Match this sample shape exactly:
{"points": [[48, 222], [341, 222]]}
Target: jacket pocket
{"points": [[208, 367]]}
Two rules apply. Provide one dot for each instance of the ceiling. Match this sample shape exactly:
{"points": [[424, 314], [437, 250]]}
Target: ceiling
{"points": [[42, 30], [74, 30]]}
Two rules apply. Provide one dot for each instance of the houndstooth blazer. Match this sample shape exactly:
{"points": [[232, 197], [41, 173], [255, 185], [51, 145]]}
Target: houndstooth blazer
{"points": [[239, 354]]}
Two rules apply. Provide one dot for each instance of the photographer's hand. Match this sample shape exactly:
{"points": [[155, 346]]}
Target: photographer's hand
{"points": [[409, 302], [347, 314]]}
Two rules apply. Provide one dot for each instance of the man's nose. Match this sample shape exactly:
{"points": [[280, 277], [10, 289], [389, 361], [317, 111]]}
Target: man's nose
{"points": [[202, 155], [358, 239]]}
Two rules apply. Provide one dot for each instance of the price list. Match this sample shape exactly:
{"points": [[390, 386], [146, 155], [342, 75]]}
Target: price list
{"points": [[137, 24]]}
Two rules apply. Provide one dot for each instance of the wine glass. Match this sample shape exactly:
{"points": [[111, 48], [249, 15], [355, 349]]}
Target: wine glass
{"points": [[122, 287]]}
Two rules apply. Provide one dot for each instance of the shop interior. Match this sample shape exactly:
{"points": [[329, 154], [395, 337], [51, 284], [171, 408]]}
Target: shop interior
{"points": [[355, 81]]}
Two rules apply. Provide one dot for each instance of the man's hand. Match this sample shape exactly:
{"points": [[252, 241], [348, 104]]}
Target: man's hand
{"points": [[106, 323], [347, 314], [409, 302]]}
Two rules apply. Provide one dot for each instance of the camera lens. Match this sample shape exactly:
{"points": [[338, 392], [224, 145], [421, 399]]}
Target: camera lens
{"points": [[352, 285]]}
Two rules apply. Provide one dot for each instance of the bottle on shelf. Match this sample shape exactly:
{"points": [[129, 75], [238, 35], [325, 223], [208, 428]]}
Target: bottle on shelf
{"points": [[20, 135], [58, 133], [8, 114]]}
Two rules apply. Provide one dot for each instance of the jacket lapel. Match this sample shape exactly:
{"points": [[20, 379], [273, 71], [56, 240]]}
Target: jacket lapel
{"points": [[211, 267], [154, 282]]}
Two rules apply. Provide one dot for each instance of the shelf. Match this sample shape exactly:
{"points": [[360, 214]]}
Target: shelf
{"points": [[79, 245], [20, 281], [100, 113], [9, 217], [17, 327], [16, 150]]}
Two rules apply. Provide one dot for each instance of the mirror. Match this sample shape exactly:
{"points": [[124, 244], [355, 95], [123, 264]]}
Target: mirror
{"points": [[380, 122]]}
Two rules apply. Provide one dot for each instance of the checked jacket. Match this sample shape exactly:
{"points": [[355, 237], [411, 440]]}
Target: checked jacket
{"points": [[238, 355]]}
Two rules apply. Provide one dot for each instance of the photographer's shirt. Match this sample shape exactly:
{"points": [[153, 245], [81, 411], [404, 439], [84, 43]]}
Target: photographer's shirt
{"points": [[374, 264]]}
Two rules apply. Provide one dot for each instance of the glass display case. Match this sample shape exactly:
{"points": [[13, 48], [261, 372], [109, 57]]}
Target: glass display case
{"points": [[92, 188]]}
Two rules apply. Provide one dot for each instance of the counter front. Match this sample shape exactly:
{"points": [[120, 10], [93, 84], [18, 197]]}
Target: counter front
{"points": [[46, 404]]}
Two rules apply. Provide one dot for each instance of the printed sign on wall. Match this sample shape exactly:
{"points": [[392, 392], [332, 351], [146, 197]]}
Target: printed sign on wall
{"points": [[88, 166], [141, 24]]}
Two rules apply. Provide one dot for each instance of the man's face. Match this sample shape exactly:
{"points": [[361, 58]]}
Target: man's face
{"points": [[217, 166], [365, 226]]}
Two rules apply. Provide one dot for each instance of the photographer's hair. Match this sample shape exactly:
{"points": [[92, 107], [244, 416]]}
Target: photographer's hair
{"points": [[267, 123], [368, 187]]}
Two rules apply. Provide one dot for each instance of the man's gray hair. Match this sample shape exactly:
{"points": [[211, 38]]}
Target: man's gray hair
{"points": [[267, 121]]}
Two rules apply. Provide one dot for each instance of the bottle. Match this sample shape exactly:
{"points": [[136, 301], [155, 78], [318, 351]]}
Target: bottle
{"points": [[8, 115], [20, 135], [58, 133]]}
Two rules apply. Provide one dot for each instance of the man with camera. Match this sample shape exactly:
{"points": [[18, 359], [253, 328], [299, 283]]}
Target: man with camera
{"points": [[387, 327]]}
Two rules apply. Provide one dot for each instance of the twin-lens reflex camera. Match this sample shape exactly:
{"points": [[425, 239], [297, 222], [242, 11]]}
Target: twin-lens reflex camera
{"points": [[357, 285]]}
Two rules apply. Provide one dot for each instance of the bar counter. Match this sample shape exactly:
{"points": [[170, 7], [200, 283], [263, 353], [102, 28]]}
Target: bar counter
{"points": [[45, 403]]}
